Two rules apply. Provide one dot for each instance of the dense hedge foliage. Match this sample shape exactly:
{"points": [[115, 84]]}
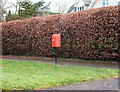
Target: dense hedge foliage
{"points": [[91, 34]]}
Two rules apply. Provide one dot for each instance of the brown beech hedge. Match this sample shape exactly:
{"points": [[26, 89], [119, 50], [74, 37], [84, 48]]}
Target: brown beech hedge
{"points": [[91, 34]]}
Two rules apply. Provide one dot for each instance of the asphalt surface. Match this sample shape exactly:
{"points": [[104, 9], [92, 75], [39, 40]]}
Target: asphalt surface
{"points": [[105, 84]]}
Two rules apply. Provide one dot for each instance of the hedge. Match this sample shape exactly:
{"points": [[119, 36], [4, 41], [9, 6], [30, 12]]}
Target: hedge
{"points": [[90, 34]]}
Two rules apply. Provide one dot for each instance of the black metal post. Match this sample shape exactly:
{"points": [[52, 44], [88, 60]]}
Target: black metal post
{"points": [[55, 55]]}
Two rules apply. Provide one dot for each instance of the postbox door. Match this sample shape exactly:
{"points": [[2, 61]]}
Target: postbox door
{"points": [[56, 40]]}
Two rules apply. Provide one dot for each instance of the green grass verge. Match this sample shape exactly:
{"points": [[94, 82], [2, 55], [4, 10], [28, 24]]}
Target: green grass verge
{"points": [[32, 75]]}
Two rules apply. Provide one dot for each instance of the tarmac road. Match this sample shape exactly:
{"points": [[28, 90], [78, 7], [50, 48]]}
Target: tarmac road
{"points": [[105, 84]]}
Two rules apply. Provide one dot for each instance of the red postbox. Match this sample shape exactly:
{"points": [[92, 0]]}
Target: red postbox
{"points": [[56, 40]]}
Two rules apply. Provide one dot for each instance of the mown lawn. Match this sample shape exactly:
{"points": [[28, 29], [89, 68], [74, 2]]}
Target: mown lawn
{"points": [[31, 75]]}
